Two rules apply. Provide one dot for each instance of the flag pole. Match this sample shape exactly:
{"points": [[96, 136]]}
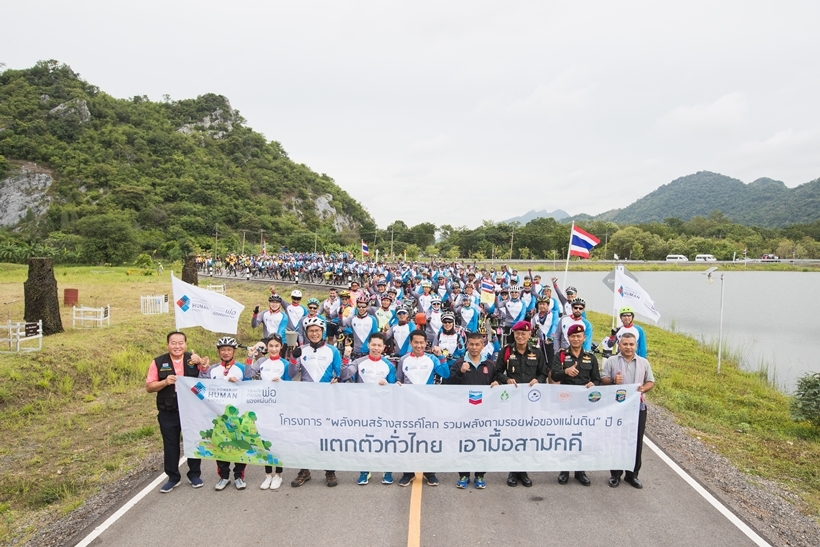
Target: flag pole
{"points": [[615, 293], [566, 267]]}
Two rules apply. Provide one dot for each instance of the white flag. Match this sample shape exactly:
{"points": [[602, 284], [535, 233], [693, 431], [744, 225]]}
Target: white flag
{"points": [[629, 293], [195, 307]]}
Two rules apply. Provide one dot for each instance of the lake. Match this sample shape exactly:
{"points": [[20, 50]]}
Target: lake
{"points": [[770, 319]]}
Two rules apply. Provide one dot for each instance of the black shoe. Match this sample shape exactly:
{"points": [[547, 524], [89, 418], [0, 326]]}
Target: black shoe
{"points": [[581, 477], [614, 482], [511, 481], [634, 482], [563, 477], [525, 479]]}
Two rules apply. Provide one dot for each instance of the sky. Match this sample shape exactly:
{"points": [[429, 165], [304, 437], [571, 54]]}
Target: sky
{"points": [[463, 111]]}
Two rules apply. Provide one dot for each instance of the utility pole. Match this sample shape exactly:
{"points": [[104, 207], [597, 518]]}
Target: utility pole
{"points": [[512, 235], [315, 240], [216, 239], [261, 242], [243, 240], [606, 242], [392, 256]]}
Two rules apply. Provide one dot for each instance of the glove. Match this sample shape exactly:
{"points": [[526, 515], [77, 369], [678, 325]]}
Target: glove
{"points": [[256, 310], [297, 352]]}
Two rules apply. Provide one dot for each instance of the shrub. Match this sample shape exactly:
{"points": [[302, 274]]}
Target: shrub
{"points": [[806, 403]]}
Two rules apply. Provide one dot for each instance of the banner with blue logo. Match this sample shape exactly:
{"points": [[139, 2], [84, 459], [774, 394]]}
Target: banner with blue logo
{"points": [[350, 427]]}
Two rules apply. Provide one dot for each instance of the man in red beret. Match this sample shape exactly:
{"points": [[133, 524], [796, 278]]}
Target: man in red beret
{"points": [[519, 363]]}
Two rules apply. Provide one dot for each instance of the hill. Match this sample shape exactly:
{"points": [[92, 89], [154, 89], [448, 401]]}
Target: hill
{"points": [[558, 214], [78, 165], [763, 202]]}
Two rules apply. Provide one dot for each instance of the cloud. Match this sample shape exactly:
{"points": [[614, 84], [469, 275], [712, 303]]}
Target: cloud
{"points": [[560, 94], [432, 145], [724, 115]]}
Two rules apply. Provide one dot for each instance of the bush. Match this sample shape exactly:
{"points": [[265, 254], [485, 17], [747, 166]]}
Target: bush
{"points": [[806, 403], [144, 261]]}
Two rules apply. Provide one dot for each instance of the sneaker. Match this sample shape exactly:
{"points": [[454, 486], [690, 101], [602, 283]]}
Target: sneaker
{"points": [[364, 478], [276, 482], [479, 483], [330, 477], [221, 484], [196, 482], [463, 482], [431, 478], [266, 483], [406, 479], [240, 484], [387, 478], [301, 478], [168, 486]]}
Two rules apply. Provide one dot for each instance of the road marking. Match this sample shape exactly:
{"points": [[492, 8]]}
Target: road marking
{"points": [[414, 524], [122, 510], [742, 526]]}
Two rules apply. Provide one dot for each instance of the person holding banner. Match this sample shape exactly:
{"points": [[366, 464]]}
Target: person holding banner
{"points": [[269, 369], [420, 368], [316, 362], [229, 370], [161, 379], [520, 363], [575, 367], [372, 369], [628, 368], [475, 371]]}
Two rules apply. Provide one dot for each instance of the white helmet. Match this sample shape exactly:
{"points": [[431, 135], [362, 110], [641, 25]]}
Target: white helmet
{"points": [[296, 294], [227, 341], [435, 298], [313, 322]]}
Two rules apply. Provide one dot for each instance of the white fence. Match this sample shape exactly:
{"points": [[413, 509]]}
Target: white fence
{"points": [[17, 335], [95, 316], [154, 304], [216, 288]]}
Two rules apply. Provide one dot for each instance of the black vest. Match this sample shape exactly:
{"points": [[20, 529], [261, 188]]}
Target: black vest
{"points": [[167, 396]]}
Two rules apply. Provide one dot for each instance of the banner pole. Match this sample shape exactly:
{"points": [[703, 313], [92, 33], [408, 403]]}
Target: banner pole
{"points": [[566, 267]]}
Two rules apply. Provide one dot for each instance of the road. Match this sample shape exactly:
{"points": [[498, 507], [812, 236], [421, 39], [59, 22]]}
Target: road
{"points": [[667, 512]]}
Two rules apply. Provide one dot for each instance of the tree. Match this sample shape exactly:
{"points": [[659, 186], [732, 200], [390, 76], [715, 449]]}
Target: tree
{"points": [[109, 239]]}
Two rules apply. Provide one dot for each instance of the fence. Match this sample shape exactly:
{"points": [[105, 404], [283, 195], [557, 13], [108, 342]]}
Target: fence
{"points": [[15, 334], [96, 316], [154, 304], [216, 288]]}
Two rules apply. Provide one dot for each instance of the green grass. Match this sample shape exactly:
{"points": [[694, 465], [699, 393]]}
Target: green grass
{"points": [[76, 415]]}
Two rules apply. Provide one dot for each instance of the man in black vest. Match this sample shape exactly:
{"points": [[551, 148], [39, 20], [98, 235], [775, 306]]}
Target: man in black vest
{"points": [[162, 375]]}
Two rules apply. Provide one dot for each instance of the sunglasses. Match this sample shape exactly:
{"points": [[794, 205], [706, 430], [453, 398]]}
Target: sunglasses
{"points": [[361, 305], [577, 307], [313, 307]]}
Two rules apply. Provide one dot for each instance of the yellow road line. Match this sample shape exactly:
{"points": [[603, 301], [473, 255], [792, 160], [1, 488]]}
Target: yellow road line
{"points": [[414, 524]]}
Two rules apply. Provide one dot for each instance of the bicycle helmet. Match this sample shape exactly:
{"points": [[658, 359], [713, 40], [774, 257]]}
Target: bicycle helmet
{"points": [[578, 302], [381, 282], [625, 310], [227, 341], [543, 298], [515, 288], [313, 322], [436, 299], [362, 299], [448, 316], [313, 301], [296, 294], [572, 290], [344, 294], [275, 298]]}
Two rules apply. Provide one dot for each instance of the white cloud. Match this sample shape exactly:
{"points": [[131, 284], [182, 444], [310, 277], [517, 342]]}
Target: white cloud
{"points": [[726, 114]]}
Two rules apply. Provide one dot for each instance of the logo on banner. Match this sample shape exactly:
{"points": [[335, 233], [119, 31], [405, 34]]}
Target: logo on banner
{"points": [[534, 395], [620, 395], [474, 397], [199, 390], [594, 397], [504, 395], [564, 396], [184, 303]]}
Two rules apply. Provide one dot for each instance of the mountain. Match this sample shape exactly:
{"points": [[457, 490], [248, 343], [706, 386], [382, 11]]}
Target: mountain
{"points": [[763, 202], [172, 174], [558, 214]]}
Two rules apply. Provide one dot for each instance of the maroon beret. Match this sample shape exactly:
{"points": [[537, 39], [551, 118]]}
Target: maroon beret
{"points": [[575, 328], [522, 325]]}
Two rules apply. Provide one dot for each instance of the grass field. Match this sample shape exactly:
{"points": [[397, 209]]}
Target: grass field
{"points": [[76, 415]]}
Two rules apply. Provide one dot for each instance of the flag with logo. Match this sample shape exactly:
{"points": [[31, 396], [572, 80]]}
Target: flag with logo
{"points": [[365, 251], [628, 293], [581, 242], [195, 307], [487, 291]]}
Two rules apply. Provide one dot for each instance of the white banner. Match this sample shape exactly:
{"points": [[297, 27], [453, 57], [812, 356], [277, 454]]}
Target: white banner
{"points": [[629, 293], [195, 307], [438, 428]]}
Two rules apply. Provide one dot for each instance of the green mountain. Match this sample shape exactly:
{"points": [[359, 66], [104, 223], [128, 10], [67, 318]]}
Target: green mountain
{"points": [[764, 202], [107, 178]]}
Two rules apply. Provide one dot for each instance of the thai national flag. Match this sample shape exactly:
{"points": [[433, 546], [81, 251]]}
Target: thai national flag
{"points": [[581, 242], [365, 252]]}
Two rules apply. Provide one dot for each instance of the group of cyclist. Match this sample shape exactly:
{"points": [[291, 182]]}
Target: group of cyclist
{"points": [[430, 324]]}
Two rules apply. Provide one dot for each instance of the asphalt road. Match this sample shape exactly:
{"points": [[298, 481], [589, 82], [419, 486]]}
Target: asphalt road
{"points": [[667, 512]]}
